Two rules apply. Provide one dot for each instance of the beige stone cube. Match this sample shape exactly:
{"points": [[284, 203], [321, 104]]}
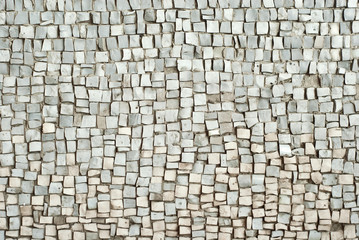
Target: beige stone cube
{"points": [[232, 154], [181, 191], [213, 158], [322, 204], [257, 148], [195, 178], [108, 163], [311, 216], [158, 226], [344, 216], [3, 223], [103, 206], [194, 189], [243, 133], [324, 214], [339, 153], [317, 177], [158, 206], [168, 196], [14, 182], [43, 180], [48, 128], [349, 231], [25, 231], [65, 234], [170, 175], [116, 194], [142, 202], [246, 201], [346, 179], [246, 167], [122, 231], [337, 235]]}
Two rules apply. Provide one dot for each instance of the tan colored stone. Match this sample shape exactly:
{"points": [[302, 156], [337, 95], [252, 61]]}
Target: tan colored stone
{"points": [[346, 179], [317, 177], [311, 216]]}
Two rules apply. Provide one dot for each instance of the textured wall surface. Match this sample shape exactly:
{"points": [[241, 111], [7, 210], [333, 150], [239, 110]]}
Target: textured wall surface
{"points": [[179, 119]]}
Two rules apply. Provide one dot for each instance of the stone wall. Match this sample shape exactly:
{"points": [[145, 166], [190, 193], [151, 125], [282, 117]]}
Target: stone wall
{"points": [[179, 119]]}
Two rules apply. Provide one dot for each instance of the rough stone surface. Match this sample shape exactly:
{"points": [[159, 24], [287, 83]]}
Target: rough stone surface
{"points": [[179, 119]]}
